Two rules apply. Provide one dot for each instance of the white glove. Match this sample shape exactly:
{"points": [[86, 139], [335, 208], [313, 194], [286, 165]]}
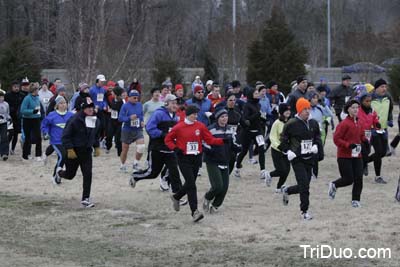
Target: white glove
{"points": [[291, 155], [208, 114], [314, 149]]}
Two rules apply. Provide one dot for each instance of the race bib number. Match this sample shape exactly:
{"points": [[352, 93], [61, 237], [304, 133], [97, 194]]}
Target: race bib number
{"points": [[367, 134], [306, 146], [260, 140], [135, 123], [38, 108], [10, 125], [380, 131], [355, 152], [192, 148], [114, 114], [90, 121], [100, 97], [46, 100], [263, 115], [346, 98]]}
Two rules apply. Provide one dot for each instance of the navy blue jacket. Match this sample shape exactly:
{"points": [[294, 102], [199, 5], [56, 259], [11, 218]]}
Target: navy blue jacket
{"points": [[79, 137], [221, 154]]}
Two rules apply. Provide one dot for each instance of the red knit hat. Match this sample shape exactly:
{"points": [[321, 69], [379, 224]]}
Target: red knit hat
{"points": [[178, 87], [302, 104], [198, 88]]}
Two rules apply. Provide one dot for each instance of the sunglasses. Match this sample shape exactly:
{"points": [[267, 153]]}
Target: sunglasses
{"points": [[200, 92]]}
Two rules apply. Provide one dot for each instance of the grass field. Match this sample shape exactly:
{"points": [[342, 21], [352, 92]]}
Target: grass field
{"points": [[44, 225]]}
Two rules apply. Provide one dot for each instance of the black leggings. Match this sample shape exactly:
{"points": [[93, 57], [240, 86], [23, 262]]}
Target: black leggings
{"points": [[302, 172], [189, 166], [245, 138], [351, 172], [282, 167], [32, 136], [379, 142], [157, 160], [84, 161]]}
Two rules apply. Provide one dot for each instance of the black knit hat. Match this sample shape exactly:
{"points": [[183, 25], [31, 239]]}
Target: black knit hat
{"points": [[270, 84], [379, 83], [118, 90], [235, 83], [300, 79], [349, 104], [283, 107], [191, 109]]}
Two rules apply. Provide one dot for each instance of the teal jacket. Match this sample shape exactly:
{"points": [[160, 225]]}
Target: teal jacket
{"points": [[29, 104]]}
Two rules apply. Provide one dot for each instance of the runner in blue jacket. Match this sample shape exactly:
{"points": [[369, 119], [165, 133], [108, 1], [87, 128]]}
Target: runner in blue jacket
{"points": [[53, 126]]}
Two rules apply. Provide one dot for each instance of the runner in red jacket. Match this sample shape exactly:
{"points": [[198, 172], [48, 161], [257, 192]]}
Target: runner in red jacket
{"points": [[348, 137], [186, 139]]}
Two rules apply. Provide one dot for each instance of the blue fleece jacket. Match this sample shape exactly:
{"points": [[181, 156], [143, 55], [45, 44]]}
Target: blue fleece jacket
{"points": [[204, 105], [29, 104], [54, 124], [127, 110], [95, 93]]}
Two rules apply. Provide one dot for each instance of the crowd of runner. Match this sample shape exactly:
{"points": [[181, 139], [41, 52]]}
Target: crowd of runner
{"points": [[214, 126]]}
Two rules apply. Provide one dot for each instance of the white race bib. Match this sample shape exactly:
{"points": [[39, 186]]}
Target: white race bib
{"points": [[100, 97], [114, 114], [260, 140], [90, 121], [10, 125], [355, 152], [135, 123], [380, 131], [233, 128], [46, 100], [346, 98], [38, 108], [367, 134], [306, 146], [192, 148]]}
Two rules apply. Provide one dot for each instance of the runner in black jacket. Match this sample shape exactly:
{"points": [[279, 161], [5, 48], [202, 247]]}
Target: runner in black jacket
{"points": [[300, 140]]}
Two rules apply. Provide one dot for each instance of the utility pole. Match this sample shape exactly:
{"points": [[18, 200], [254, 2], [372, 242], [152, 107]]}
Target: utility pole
{"points": [[234, 37], [329, 32]]}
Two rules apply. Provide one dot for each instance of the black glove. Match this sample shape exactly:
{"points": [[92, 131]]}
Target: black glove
{"points": [[35, 111], [178, 151], [378, 125], [352, 146], [227, 140]]}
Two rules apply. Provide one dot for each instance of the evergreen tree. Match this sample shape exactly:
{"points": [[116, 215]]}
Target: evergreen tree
{"points": [[276, 55], [18, 60], [210, 67], [394, 77], [165, 67]]}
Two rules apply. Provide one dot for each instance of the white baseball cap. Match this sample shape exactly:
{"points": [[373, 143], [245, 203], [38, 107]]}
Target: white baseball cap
{"points": [[101, 78], [209, 82]]}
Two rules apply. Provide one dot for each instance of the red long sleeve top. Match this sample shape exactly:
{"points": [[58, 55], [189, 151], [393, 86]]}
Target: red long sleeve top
{"points": [[189, 137]]}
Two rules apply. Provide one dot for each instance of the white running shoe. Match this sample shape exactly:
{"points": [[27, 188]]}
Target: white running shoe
{"points": [[164, 186], [355, 204], [136, 166], [56, 178], [267, 177], [86, 203], [306, 216], [38, 159], [253, 161], [123, 168], [280, 190], [236, 172]]}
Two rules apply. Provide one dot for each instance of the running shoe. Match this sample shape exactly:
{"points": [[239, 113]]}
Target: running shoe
{"points": [[206, 204], [380, 180], [56, 178], [236, 172], [365, 171], [268, 178], [175, 203], [182, 202], [280, 190], [86, 203], [285, 197], [213, 209], [4, 157], [253, 161], [132, 182], [306, 216], [164, 187], [355, 204], [197, 216], [332, 191]]}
